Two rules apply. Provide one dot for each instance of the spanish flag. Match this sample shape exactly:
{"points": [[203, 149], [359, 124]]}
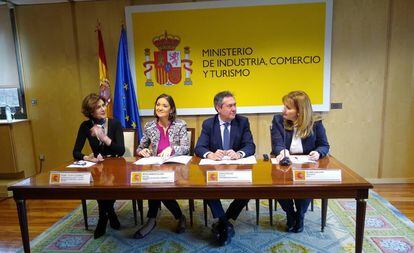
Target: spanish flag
{"points": [[104, 87], [103, 69]]}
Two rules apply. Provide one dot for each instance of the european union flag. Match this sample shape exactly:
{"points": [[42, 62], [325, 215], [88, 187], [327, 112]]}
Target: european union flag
{"points": [[125, 103]]}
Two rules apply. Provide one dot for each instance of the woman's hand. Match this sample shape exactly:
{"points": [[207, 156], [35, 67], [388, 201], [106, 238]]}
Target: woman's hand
{"points": [[93, 159], [98, 131], [145, 152], [314, 155], [166, 152], [282, 155]]}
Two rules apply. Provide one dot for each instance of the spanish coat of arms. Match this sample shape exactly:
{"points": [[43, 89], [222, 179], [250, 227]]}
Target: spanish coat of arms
{"points": [[167, 61]]}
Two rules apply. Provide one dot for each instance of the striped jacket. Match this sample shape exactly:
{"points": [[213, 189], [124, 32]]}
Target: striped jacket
{"points": [[177, 134]]}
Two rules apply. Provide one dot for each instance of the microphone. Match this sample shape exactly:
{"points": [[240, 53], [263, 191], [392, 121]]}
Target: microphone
{"points": [[285, 160]]}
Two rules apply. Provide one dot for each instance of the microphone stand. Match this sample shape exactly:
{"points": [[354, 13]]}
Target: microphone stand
{"points": [[285, 160]]}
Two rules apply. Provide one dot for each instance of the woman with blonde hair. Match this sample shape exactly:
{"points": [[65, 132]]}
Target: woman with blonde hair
{"points": [[297, 131]]}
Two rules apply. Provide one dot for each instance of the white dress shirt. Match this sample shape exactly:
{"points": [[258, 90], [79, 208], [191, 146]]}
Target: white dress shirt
{"points": [[242, 154], [296, 145]]}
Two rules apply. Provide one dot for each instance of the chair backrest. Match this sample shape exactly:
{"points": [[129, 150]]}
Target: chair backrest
{"points": [[191, 137], [130, 142], [271, 141]]}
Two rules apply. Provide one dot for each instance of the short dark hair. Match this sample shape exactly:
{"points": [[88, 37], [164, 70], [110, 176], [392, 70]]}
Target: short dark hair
{"points": [[170, 100], [218, 98], [89, 104]]}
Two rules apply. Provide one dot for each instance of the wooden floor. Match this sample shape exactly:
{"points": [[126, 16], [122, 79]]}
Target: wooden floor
{"points": [[42, 214]]}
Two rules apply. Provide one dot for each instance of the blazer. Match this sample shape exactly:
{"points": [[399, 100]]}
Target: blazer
{"points": [[316, 141], [115, 133], [241, 138], [177, 135]]}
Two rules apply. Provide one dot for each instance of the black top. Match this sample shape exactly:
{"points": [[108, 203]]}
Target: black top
{"points": [[115, 133]]}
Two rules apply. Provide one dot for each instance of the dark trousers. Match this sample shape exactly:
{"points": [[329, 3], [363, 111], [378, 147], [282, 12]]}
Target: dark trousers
{"points": [[172, 205], [232, 212], [300, 204], [105, 206]]}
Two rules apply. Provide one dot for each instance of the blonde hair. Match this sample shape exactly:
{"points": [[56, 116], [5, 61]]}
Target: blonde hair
{"points": [[303, 106]]}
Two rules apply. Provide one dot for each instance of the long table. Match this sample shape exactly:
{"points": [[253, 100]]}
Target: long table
{"points": [[112, 181]]}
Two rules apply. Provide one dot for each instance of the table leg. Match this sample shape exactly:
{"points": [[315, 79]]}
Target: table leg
{"points": [[324, 212], [85, 213], [21, 211], [360, 224]]}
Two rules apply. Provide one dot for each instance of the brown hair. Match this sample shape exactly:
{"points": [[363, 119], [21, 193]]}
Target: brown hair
{"points": [[89, 104], [303, 106], [170, 100]]}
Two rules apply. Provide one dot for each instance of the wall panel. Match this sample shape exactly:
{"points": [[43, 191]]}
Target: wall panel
{"points": [[372, 75]]}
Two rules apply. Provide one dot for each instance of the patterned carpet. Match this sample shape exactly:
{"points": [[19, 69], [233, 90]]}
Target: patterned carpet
{"points": [[386, 230]]}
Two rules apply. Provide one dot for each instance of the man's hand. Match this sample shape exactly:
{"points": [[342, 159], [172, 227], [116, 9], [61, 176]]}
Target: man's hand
{"points": [[233, 155], [217, 156]]}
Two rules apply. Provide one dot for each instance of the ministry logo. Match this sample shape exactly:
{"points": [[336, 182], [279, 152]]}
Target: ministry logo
{"points": [[167, 61]]}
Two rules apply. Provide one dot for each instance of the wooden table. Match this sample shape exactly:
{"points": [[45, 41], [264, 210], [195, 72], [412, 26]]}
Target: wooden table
{"points": [[112, 177]]}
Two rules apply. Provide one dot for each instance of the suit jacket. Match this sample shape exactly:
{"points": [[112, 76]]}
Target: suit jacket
{"points": [[316, 141], [115, 133], [241, 138], [177, 135]]}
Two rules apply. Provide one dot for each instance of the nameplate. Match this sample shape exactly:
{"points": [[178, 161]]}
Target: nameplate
{"points": [[68, 177], [317, 175], [229, 176], [154, 176]]}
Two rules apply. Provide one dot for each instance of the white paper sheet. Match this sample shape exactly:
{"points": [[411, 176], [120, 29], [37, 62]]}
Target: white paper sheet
{"points": [[81, 164], [183, 159], [246, 160], [296, 159]]}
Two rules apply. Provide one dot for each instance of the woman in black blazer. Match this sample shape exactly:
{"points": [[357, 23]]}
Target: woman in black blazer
{"points": [[297, 132], [106, 139]]}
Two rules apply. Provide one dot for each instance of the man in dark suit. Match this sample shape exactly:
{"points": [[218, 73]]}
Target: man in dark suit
{"points": [[225, 136]]}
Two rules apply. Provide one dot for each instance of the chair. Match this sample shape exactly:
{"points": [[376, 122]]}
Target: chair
{"points": [[191, 137], [324, 204], [130, 142]]}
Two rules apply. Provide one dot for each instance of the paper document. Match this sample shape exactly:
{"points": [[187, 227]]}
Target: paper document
{"points": [[81, 164], [183, 159], [296, 159], [246, 160]]}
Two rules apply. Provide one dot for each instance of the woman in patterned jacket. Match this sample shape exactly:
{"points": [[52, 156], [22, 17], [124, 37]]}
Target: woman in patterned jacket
{"points": [[167, 136]]}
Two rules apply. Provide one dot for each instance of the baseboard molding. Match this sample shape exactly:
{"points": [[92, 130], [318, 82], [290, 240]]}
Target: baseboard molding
{"points": [[391, 180]]}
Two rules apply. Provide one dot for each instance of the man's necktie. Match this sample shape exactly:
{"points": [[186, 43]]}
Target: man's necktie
{"points": [[226, 136]]}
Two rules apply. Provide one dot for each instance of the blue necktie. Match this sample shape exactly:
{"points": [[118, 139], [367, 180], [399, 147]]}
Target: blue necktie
{"points": [[226, 136]]}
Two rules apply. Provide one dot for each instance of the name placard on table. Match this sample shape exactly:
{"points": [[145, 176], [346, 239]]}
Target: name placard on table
{"points": [[317, 175], [70, 177], [154, 176], [229, 176]]}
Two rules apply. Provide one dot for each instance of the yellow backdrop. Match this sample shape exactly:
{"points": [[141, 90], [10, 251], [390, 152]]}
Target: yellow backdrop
{"points": [[259, 52]]}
